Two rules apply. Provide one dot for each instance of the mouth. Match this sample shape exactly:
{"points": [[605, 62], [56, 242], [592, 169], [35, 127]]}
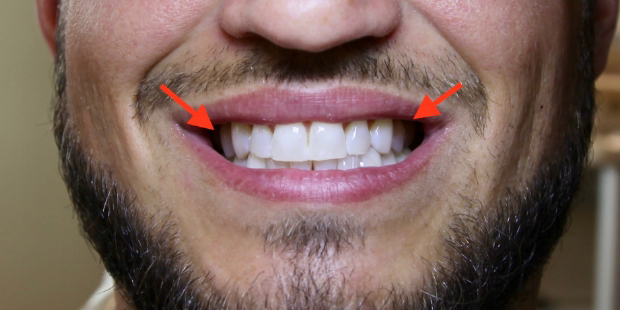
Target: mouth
{"points": [[334, 146]]}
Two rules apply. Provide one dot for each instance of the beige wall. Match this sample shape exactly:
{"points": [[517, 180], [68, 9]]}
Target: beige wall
{"points": [[44, 263]]}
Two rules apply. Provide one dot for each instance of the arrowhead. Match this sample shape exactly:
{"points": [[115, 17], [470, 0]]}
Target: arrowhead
{"points": [[427, 109], [201, 119]]}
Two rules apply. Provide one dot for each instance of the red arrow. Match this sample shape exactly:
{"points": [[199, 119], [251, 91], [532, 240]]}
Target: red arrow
{"points": [[428, 107], [199, 118]]}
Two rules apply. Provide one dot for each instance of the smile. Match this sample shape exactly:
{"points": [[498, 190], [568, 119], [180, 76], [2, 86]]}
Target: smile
{"points": [[339, 145]]}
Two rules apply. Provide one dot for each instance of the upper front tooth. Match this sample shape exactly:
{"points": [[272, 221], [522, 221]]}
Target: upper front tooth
{"points": [[358, 137], [398, 136], [371, 159], [260, 144], [326, 141], [381, 135], [226, 141], [290, 143], [241, 134]]}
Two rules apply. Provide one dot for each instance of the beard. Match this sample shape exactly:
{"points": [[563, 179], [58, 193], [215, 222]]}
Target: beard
{"points": [[489, 254]]}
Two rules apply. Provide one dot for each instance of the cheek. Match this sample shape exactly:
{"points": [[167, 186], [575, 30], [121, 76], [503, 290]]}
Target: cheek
{"points": [[124, 38], [110, 45], [496, 36]]}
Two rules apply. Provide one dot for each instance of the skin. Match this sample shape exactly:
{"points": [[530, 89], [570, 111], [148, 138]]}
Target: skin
{"points": [[516, 47]]}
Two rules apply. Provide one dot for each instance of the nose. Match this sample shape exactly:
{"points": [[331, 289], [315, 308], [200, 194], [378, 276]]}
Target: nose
{"points": [[310, 25]]}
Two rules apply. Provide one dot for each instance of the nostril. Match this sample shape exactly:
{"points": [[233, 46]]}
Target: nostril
{"points": [[311, 26]]}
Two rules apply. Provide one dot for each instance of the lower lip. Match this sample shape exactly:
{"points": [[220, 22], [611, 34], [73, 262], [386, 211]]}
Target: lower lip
{"points": [[327, 186]]}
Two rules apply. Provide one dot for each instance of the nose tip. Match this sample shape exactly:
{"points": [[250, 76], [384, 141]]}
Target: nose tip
{"points": [[311, 25]]}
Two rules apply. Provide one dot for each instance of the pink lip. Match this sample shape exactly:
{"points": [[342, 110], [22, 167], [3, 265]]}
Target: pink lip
{"points": [[335, 105]]}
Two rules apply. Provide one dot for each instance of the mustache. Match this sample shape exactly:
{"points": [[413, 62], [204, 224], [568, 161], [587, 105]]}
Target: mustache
{"points": [[363, 61]]}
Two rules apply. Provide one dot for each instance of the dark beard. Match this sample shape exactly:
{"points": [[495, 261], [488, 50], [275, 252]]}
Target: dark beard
{"points": [[490, 255]]}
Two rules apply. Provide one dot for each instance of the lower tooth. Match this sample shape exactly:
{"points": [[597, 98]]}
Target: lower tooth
{"points": [[349, 162], [331, 164], [240, 161], [301, 165], [371, 159], [256, 162], [274, 164], [402, 155], [388, 159]]}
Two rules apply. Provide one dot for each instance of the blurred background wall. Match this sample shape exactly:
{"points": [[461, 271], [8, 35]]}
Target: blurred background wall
{"points": [[45, 263]]}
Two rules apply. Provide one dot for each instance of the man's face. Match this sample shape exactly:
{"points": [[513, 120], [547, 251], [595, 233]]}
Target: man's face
{"points": [[306, 194]]}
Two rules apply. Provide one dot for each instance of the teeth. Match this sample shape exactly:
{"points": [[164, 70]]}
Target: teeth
{"points": [[302, 165], [398, 136], [274, 164], [402, 155], [388, 159], [256, 162], [371, 159], [317, 145], [349, 162], [331, 164], [358, 137], [260, 143], [241, 134], [326, 141], [226, 140], [240, 161], [290, 143], [381, 135]]}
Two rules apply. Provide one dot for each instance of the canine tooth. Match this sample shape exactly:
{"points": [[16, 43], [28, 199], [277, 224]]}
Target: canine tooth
{"points": [[241, 135], [226, 141], [402, 155], [302, 165], [240, 161], [371, 159], [381, 135], [388, 159], [274, 164], [330, 164], [398, 136], [290, 143], [256, 162], [349, 162], [260, 143], [326, 141], [357, 137]]}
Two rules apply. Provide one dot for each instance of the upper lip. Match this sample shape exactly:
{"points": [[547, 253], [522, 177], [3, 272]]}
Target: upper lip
{"points": [[341, 104]]}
